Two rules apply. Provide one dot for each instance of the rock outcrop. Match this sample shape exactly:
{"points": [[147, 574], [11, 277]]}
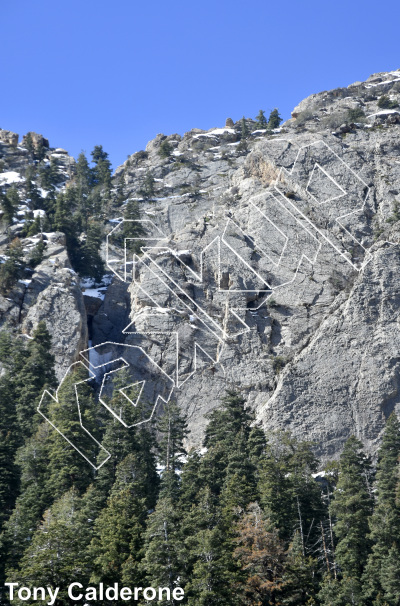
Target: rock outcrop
{"points": [[276, 272], [269, 266]]}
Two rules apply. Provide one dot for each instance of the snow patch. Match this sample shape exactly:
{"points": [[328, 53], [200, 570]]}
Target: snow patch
{"points": [[10, 177], [384, 112], [97, 293]]}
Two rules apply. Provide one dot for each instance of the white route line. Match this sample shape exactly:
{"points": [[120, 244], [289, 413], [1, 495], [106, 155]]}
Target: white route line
{"points": [[210, 325], [284, 171]]}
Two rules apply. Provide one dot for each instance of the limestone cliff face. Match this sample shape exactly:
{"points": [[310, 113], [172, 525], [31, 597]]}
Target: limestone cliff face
{"points": [[269, 266]]}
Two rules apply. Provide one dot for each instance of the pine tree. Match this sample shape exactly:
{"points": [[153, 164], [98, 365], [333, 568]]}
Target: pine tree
{"points": [[352, 505], [289, 494], [390, 575], [121, 441], [9, 203], [274, 119], [132, 228], [67, 468], [91, 263], [261, 119], [102, 168], [37, 254], [172, 429], [385, 522], [40, 150], [119, 529], [84, 181], [163, 548], [191, 483], [300, 575], [32, 194], [36, 375], [53, 556], [49, 177], [66, 223], [209, 569], [240, 487], [244, 129], [148, 189], [11, 269], [30, 146], [261, 555], [344, 592], [33, 499], [10, 440], [83, 174], [165, 149]]}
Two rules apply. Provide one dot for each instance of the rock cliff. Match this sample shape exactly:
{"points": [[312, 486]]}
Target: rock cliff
{"points": [[268, 265]]}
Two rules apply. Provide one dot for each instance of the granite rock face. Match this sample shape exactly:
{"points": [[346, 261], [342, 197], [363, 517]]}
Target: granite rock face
{"points": [[276, 271], [51, 291], [269, 266]]}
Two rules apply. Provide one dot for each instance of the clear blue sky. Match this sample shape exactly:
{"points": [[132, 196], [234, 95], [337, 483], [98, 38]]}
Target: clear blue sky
{"points": [[117, 72]]}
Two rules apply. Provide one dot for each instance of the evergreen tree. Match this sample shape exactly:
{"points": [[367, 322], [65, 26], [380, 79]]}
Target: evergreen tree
{"points": [[32, 194], [84, 181], [390, 575], [261, 555], [244, 129], [49, 177], [121, 441], [53, 557], [385, 522], [261, 119], [40, 150], [9, 203], [36, 375], [344, 592], [148, 189], [289, 494], [91, 263], [65, 222], [119, 528], [30, 146], [67, 468], [191, 483], [10, 439], [165, 149], [352, 505], [11, 270], [210, 570], [274, 119], [33, 499], [300, 575], [172, 430], [132, 227], [163, 548], [102, 169], [83, 175], [37, 254]]}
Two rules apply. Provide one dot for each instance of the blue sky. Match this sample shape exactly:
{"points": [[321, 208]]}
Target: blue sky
{"points": [[116, 73]]}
